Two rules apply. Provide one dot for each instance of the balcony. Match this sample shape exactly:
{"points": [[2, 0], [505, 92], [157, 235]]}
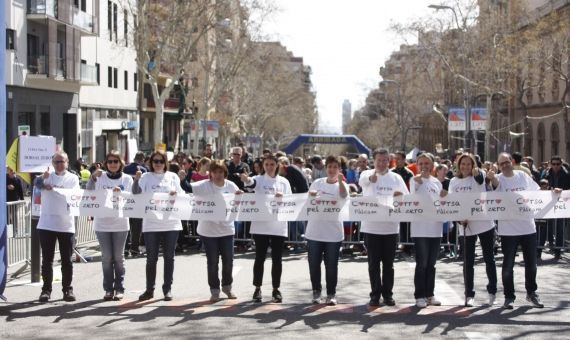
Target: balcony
{"points": [[83, 20], [39, 65], [43, 7], [88, 74]]}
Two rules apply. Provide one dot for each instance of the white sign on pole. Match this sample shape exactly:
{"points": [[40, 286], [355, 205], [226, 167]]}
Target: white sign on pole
{"points": [[35, 153], [24, 130]]}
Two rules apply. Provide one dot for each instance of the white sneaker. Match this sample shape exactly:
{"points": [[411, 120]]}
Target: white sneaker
{"points": [[331, 300], [432, 301], [469, 302], [492, 299], [421, 303], [316, 297]]}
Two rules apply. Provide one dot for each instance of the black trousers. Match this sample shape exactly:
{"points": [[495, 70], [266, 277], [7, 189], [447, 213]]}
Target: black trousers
{"points": [[487, 244], [134, 239], [262, 242], [48, 239], [381, 248]]}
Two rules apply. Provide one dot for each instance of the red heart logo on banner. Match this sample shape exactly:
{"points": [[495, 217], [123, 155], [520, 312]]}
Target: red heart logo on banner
{"points": [[318, 201], [498, 201], [93, 198], [199, 202], [252, 202], [416, 203], [442, 202], [333, 202], [172, 201]]}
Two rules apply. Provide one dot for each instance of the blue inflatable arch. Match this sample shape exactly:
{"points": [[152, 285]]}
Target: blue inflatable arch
{"points": [[327, 139]]}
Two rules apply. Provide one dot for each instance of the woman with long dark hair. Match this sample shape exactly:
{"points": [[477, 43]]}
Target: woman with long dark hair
{"points": [[112, 231]]}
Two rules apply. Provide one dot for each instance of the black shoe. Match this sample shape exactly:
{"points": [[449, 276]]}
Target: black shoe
{"points": [[557, 255], [535, 300], [257, 295], [109, 296], [277, 297], [389, 301], [374, 303], [68, 295], [508, 303], [45, 296], [168, 296], [147, 295]]}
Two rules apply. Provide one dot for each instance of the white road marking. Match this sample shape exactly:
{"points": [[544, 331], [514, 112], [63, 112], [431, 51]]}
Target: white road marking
{"points": [[482, 336], [444, 293]]}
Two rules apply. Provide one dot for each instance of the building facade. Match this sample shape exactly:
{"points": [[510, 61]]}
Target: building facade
{"points": [[108, 105], [43, 67]]}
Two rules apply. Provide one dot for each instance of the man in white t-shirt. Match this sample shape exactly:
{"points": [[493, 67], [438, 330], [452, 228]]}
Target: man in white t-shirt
{"points": [[381, 238], [516, 232], [57, 228]]}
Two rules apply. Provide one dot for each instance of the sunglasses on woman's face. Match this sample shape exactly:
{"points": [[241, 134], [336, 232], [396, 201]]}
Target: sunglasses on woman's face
{"points": [[158, 161], [113, 161]]}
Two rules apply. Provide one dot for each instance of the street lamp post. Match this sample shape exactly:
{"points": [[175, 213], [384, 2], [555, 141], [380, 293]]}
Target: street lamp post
{"points": [[399, 112]]}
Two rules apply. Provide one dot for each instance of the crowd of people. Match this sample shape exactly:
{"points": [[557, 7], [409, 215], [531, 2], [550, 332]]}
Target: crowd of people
{"points": [[275, 173]]}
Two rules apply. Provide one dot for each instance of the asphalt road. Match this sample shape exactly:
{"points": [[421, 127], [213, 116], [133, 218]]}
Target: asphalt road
{"points": [[190, 315]]}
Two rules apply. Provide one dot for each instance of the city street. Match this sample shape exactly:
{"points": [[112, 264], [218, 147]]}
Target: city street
{"points": [[190, 315]]}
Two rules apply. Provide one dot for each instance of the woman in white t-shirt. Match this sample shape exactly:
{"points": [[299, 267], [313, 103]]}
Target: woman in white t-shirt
{"points": [[324, 237], [112, 231], [470, 179], [426, 235], [268, 234], [57, 228], [155, 230], [218, 236]]}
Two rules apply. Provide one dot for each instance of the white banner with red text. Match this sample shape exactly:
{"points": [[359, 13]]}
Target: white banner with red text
{"points": [[302, 207]]}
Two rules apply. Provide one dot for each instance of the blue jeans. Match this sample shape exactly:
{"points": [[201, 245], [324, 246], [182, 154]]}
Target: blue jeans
{"points": [[509, 244], [152, 242], [427, 250], [216, 247], [113, 259], [331, 251]]}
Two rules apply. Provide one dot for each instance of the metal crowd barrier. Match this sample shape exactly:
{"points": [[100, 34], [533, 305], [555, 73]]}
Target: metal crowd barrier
{"points": [[554, 231], [19, 232]]}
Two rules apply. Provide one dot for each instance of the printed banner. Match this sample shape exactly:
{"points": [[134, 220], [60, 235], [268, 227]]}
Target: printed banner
{"points": [[301, 207]]}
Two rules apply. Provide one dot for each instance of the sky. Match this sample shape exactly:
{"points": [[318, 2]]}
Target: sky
{"points": [[345, 43]]}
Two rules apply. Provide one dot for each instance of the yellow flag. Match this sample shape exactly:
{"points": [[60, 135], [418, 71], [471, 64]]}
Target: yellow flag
{"points": [[12, 161]]}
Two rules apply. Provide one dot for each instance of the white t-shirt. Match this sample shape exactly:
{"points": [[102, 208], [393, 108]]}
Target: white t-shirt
{"points": [[214, 228], [520, 181], [59, 223], [266, 185], [110, 224], [325, 231], [385, 185], [165, 182], [469, 184], [432, 187]]}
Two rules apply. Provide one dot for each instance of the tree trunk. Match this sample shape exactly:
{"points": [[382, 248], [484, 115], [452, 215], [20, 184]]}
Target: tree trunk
{"points": [[159, 115]]}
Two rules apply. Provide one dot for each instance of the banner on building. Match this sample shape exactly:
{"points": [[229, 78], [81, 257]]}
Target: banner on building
{"points": [[301, 207], [209, 127], [35, 153], [478, 118], [456, 119]]}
